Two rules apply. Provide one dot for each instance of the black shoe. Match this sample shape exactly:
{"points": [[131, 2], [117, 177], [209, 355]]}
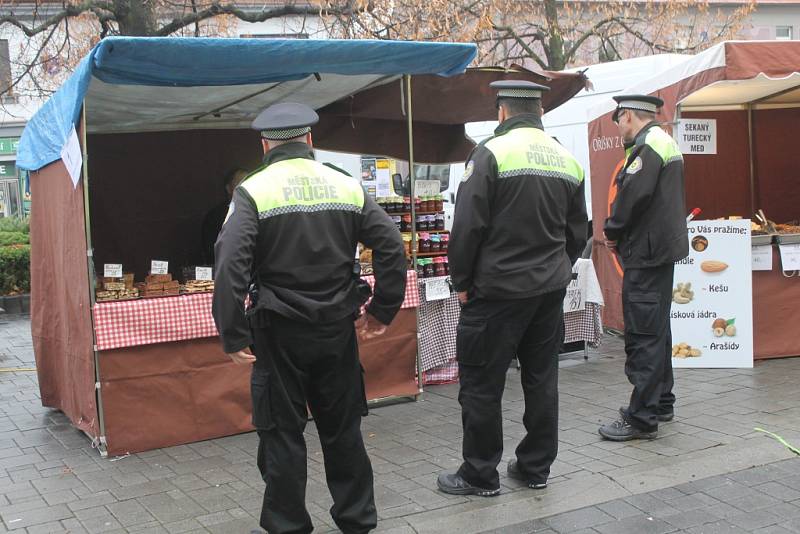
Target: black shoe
{"points": [[454, 484], [662, 417], [516, 473], [621, 430]]}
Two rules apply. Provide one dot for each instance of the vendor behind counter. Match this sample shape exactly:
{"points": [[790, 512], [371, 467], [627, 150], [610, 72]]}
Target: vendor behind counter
{"points": [[212, 222]]}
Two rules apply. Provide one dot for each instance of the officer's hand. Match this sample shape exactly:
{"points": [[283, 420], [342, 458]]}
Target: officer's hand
{"points": [[463, 297], [243, 357], [368, 327], [609, 243]]}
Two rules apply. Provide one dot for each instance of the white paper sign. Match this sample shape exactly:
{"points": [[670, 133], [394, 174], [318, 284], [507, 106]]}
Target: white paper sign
{"points": [[790, 257], [437, 289], [427, 188], [712, 319], [697, 136], [762, 257], [159, 267], [383, 179], [574, 299], [112, 270], [72, 157], [202, 273]]}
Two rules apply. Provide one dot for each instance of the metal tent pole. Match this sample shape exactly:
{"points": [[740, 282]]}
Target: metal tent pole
{"points": [[412, 192], [751, 158], [101, 443]]}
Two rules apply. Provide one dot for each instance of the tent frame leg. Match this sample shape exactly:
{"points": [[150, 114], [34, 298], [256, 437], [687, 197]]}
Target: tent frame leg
{"points": [[99, 442], [407, 102]]}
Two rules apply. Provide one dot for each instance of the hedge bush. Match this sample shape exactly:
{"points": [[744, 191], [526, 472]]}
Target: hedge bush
{"points": [[15, 224], [15, 277], [13, 238]]}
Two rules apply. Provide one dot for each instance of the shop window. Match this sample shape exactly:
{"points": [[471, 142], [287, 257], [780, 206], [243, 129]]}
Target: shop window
{"points": [[783, 33]]}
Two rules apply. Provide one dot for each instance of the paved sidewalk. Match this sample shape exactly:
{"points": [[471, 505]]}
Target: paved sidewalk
{"points": [[764, 500], [52, 481]]}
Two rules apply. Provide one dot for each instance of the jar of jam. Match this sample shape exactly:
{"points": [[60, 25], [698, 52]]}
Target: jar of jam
{"points": [[438, 267], [424, 242], [444, 239], [423, 224], [429, 270], [421, 268], [436, 244], [417, 204], [406, 204], [446, 264], [439, 203], [439, 218], [405, 222], [431, 204]]}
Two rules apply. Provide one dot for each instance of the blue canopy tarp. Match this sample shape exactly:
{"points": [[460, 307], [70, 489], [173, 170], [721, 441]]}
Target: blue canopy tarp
{"points": [[190, 77]]}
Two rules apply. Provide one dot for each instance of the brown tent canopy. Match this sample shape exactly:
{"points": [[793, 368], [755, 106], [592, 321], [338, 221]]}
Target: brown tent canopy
{"points": [[374, 119]]}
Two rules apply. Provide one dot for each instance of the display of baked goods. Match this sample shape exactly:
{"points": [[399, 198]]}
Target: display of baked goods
{"points": [[198, 286], [154, 285]]}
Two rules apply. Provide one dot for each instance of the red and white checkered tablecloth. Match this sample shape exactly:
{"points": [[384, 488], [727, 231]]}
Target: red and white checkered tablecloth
{"points": [[412, 295], [584, 325], [131, 323], [444, 374]]}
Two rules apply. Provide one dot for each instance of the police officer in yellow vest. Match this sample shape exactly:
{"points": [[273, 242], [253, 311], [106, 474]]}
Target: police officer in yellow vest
{"points": [[647, 231], [291, 235], [520, 224]]}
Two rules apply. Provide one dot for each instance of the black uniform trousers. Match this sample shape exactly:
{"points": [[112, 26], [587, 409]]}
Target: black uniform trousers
{"points": [[316, 366], [646, 302], [489, 334]]}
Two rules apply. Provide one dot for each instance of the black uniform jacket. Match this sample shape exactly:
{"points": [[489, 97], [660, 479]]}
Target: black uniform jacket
{"points": [[648, 215], [517, 233], [302, 262]]}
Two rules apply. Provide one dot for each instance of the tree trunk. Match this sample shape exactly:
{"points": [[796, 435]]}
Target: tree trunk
{"points": [[136, 18], [555, 40]]}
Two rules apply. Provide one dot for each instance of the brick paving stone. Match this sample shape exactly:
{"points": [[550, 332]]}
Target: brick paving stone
{"points": [[718, 527], [619, 509], [578, 519], [636, 525]]}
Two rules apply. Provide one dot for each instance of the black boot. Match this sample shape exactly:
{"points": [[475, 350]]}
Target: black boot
{"points": [[454, 484], [622, 430], [516, 473]]}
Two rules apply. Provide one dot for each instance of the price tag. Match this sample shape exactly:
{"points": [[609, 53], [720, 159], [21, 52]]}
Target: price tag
{"points": [[159, 267], [112, 270], [437, 289], [762, 258], [202, 273], [790, 257]]}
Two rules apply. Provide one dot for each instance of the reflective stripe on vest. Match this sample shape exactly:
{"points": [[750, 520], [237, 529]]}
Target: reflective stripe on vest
{"points": [[530, 151], [302, 185], [664, 145]]}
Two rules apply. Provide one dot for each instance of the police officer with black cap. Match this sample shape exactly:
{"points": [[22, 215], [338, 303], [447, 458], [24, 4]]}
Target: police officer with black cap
{"points": [[291, 234], [647, 231], [519, 225]]}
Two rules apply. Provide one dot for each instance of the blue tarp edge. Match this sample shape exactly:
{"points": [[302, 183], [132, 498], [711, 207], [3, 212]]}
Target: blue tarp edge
{"points": [[186, 62]]}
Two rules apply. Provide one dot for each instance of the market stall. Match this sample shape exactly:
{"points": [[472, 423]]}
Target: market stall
{"points": [[734, 110], [127, 157]]}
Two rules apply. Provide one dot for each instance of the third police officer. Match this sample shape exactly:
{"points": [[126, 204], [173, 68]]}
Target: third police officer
{"points": [[647, 231], [520, 224]]}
